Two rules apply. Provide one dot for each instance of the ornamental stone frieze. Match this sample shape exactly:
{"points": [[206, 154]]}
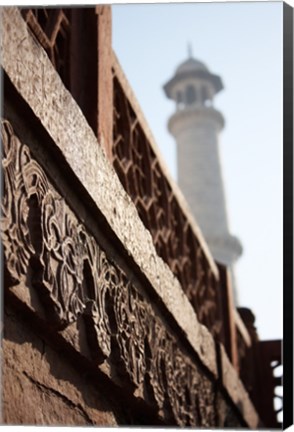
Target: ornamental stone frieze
{"points": [[49, 251]]}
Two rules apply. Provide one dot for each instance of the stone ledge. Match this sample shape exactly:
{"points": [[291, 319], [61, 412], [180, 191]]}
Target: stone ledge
{"points": [[236, 390]]}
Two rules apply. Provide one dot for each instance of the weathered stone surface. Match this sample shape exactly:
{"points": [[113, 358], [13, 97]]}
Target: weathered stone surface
{"points": [[236, 390], [227, 415], [104, 79], [80, 293], [36, 80], [40, 387]]}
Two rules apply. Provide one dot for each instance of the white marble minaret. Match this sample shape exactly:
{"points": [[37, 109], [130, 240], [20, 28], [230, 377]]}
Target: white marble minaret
{"points": [[195, 126]]}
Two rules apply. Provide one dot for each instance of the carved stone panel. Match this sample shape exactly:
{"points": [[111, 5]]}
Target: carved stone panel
{"points": [[47, 249]]}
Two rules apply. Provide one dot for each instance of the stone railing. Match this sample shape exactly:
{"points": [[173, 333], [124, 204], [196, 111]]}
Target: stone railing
{"points": [[270, 399], [261, 372], [135, 156], [176, 236], [84, 272], [161, 207]]}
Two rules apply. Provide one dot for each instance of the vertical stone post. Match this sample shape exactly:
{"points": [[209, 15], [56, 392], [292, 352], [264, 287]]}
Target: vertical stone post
{"points": [[105, 86], [90, 69], [229, 324]]}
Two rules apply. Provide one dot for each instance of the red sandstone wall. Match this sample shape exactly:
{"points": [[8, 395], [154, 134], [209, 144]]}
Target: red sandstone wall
{"points": [[40, 386]]}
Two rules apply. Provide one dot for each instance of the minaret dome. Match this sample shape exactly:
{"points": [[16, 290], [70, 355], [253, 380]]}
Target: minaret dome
{"points": [[192, 84]]}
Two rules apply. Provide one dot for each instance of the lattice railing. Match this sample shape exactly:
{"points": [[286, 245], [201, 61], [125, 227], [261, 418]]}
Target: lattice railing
{"points": [[277, 369], [74, 39], [260, 366], [142, 176], [51, 27], [271, 376], [138, 168]]}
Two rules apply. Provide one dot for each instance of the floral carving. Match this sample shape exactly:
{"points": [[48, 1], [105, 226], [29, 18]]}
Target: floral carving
{"points": [[47, 248], [158, 355], [130, 325], [15, 234]]}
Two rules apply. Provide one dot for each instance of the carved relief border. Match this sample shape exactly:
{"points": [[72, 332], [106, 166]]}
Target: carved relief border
{"points": [[47, 249]]}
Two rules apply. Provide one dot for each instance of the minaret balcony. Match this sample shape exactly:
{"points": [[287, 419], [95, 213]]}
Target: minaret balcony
{"points": [[189, 115]]}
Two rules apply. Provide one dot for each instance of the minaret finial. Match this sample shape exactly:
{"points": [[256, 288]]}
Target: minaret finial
{"points": [[189, 50]]}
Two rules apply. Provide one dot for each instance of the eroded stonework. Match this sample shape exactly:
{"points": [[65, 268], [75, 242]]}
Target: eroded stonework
{"points": [[47, 249]]}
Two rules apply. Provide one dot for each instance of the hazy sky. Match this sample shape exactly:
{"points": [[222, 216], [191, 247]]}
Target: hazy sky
{"points": [[241, 42]]}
